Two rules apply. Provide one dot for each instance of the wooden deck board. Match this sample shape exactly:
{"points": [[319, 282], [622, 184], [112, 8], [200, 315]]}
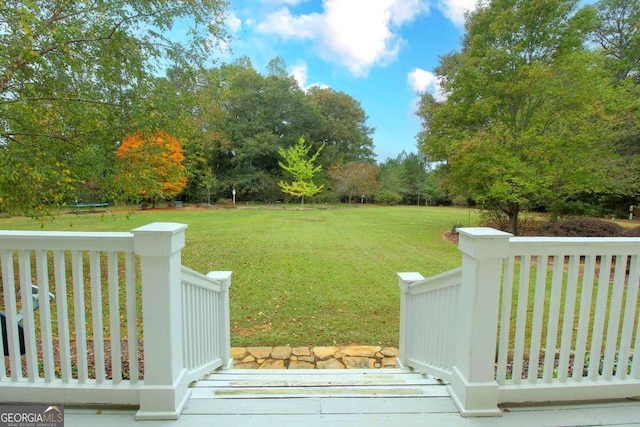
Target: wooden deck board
{"points": [[583, 415], [255, 392], [320, 405]]}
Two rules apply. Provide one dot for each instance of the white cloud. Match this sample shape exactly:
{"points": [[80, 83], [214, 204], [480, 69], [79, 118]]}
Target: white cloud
{"points": [[300, 72], [425, 81], [420, 80], [233, 23], [357, 34], [454, 10], [287, 26]]}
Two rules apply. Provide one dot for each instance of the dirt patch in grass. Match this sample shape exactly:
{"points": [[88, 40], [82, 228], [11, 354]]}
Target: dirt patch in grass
{"points": [[451, 237]]}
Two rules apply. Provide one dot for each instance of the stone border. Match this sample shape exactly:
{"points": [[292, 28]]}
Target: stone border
{"points": [[347, 357]]}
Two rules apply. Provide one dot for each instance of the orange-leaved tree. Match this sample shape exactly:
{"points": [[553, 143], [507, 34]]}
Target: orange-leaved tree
{"points": [[150, 166]]}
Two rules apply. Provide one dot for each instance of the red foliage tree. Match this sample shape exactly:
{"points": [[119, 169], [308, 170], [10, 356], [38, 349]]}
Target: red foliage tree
{"points": [[150, 167]]}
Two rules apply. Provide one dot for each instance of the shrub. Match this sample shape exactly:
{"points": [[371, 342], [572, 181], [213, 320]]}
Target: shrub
{"points": [[582, 227], [530, 223], [494, 218], [224, 202], [460, 201], [326, 197], [632, 232], [563, 209], [388, 198], [454, 228]]}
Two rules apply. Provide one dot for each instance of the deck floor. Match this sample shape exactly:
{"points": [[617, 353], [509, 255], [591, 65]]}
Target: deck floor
{"points": [[368, 398]]}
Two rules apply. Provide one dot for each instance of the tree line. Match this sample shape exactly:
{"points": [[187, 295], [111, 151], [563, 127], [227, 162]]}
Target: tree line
{"points": [[98, 103]]}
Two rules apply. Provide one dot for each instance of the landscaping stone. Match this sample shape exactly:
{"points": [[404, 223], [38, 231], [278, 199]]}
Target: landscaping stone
{"points": [[295, 364], [329, 364], [272, 364], [390, 352], [325, 352], [238, 352], [361, 351], [323, 357], [389, 362], [281, 353], [301, 351], [252, 365], [359, 362], [260, 352]]}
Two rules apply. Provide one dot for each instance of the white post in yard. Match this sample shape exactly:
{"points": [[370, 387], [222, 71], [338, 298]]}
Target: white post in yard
{"points": [[165, 390], [473, 387]]}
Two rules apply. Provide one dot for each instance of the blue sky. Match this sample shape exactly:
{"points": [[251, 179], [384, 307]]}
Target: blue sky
{"points": [[380, 52]]}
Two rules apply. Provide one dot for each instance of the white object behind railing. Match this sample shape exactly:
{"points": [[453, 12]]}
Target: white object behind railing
{"points": [[90, 272], [584, 290]]}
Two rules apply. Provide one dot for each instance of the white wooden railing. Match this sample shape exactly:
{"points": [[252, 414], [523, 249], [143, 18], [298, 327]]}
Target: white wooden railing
{"points": [[536, 319], [99, 280], [582, 338], [427, 321], [206, 339]]}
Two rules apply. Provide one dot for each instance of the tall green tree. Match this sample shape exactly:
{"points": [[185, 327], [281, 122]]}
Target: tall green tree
{"points": [[187, 103], [302, 169], [392, 180], [434, 193], [617, 33], [415, 171], [617, 37], [258, 114], [527, 112], [259, 117], [342, 127], [407, 176]]}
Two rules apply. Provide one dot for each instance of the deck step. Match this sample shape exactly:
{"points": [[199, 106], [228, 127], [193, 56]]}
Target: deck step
{"points": [[286, 378], [271, 392], [317, 392]]}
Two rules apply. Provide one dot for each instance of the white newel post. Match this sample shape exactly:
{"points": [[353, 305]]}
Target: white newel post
{"points": [[473, 386], [224, 321], [404, 282], [165, 392]]}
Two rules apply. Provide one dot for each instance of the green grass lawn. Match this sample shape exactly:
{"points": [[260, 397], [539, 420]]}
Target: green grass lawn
{"points": [[319, 276]]}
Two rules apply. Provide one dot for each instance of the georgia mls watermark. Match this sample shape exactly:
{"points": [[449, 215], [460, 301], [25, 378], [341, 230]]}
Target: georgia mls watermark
{"points": [[31, 416]]}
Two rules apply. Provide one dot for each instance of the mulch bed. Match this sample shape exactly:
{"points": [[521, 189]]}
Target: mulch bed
{"points": [[451, 236], [124, 360]]}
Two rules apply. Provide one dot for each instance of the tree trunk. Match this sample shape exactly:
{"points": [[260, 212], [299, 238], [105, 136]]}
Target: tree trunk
{"points": [[512, 211]]}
